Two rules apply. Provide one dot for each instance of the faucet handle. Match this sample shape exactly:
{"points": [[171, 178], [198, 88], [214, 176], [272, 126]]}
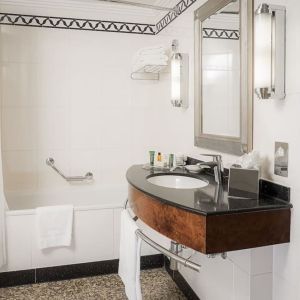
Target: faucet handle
{"points": [[217, 158]]}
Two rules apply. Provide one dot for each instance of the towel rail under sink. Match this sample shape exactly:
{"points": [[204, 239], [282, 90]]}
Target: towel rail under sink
{"points": [[179, 259], [184, 261], [51, 163]]}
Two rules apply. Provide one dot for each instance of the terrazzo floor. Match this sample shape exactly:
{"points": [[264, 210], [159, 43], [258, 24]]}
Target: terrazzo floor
{"points": [[156, 284]]}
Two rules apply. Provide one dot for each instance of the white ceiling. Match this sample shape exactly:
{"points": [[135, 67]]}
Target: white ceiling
{"points": [[90, 9]]}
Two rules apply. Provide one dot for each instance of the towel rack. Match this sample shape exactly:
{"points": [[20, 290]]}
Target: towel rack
{"points": [[166, 252], [88, 176], [148, 72], [179, 259]]}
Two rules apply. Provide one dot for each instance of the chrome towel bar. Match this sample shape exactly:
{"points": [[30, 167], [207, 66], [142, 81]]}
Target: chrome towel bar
{"points": [[179, 259], [166, 252], [51, 163]]}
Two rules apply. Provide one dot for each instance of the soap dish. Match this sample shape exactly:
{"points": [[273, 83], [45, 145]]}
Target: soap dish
{"points": [[194, 168]]}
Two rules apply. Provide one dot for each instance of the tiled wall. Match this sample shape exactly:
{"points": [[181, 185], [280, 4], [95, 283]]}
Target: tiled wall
{"points": [[279, 121], [143, 110], [68, 95]]}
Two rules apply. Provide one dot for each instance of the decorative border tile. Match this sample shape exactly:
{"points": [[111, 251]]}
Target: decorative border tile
{"points": [[216, 33], [111, 26], [76, 24], [181, 7]]}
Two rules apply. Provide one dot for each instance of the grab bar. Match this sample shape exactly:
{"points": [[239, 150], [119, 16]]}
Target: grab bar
{"points": [[179, 259], [166, 252], [51, 163]]}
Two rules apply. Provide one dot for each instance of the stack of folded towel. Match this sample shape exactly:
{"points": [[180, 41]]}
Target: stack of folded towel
{"points": [[151, 56]]}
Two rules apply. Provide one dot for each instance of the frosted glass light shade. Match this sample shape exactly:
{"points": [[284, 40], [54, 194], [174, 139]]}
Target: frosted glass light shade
{"points": [[263, 51], [176, 78]]}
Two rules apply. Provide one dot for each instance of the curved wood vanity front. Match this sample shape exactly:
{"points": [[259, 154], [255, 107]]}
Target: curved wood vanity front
{"points": [[210, 228]]}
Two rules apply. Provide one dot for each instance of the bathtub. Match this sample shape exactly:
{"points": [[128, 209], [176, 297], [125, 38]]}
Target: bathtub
{"points": [[95, 229]]}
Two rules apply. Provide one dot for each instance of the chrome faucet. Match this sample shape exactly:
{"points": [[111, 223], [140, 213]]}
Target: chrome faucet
{"points": [[217, 165]]}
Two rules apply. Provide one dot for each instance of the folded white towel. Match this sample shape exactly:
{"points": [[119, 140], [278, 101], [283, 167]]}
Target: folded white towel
{"points": [[54, 226], [149, 66], [152, 50], [152, 58], [130, 255]]}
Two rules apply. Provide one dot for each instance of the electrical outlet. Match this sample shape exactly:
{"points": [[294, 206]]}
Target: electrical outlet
{"points": [[281, 159]]}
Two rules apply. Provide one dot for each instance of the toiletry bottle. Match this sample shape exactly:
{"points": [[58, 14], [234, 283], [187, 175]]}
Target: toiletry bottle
{"points": [[159, 157], [165, 160]]}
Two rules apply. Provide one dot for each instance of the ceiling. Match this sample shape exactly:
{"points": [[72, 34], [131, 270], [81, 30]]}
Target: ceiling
{"points": [[90, 9]]}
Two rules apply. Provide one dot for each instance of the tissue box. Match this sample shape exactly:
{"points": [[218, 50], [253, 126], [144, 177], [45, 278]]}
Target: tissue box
{"points": [[243, 183]]}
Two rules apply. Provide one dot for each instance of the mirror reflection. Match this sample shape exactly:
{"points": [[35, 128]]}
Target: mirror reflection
{"points": [[221, 73]]}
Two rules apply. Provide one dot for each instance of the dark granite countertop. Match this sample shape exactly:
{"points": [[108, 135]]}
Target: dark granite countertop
{"points": [[210, 200]]}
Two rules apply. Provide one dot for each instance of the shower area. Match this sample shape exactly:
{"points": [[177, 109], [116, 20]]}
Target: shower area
{"points": [[68, 95]]}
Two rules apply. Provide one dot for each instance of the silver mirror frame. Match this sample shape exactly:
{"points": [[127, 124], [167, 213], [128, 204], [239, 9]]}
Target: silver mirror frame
{"points": [[232, 145]]}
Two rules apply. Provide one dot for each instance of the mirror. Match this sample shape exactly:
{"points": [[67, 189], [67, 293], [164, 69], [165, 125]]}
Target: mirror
{"points": [[223, 76]]}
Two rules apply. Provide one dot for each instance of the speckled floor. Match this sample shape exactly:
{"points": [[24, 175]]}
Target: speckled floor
{"points": [[156, 284]]}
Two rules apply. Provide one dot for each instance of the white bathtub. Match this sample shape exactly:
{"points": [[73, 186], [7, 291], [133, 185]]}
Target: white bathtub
{"points": [[95, 230]]}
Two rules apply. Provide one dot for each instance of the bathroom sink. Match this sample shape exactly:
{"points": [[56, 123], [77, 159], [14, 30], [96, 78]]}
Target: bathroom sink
{"points": [[177, 182]]}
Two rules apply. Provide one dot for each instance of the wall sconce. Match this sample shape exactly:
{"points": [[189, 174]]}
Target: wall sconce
{"points": [[179, 77], [269, 56]]}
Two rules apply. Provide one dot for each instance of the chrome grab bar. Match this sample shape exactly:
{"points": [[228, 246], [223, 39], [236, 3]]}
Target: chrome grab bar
{"points": [[179, 259], [51, 163]]}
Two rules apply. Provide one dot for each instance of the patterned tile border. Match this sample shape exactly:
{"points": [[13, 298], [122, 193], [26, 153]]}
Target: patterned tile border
{"points": [[76, 24], [181, 7], [214, 33], [111, 26]]}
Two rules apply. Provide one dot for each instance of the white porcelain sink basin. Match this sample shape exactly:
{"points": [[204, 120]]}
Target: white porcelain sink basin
{"points": [[177, 182]]}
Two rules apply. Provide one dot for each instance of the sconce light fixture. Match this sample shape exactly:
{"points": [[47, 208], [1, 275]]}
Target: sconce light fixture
{"points": [[179, 77], [269, 78]]}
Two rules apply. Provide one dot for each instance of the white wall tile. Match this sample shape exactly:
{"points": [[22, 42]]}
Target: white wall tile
{"points": [[215, 279], [14, 39], [284, 289], [261, 287], [52, 46], [94, 235], [52, 128], [241, 259], [19, 128], [113, 94], [52, 86], [114, 130], [86, 85], [262, 260], [117, 230], [241, 284], [20, 170], [113, 164], [18, 82], [83, 128], [19, 235]]}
